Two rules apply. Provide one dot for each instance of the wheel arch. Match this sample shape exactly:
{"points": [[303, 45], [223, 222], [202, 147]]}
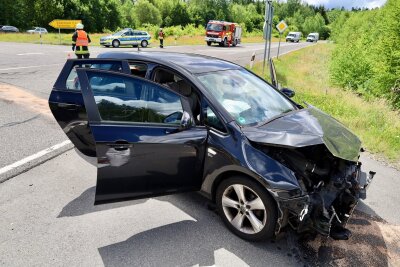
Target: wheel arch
{"points": [[230, 173]]}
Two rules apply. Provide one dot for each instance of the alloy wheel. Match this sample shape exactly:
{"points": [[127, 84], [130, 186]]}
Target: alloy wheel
{"points": [[244, 209]]}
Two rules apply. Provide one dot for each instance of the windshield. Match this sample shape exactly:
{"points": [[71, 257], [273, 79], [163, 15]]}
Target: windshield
{"points": [[249, 99], [291, 34], [214, 27]]}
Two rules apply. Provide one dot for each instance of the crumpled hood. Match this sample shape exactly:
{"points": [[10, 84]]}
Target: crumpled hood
{"points": [[307, 127]]}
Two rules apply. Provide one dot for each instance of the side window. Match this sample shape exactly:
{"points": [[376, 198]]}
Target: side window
{"points": [[213, 121], [72, 82], [123, 99], [138, 69]]}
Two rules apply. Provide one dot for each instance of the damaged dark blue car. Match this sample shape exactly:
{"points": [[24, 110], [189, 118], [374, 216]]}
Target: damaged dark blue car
{"points": [[163, 123]]}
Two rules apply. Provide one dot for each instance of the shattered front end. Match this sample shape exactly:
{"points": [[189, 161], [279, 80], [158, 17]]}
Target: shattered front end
{"points": [[324, 157], [332, 188]]}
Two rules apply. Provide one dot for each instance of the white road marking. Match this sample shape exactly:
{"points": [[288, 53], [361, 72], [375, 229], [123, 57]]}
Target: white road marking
{"points": [[27, 54], [28, 67], [33, 157]]}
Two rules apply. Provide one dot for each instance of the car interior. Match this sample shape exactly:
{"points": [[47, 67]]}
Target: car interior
{"points": [[177, 84]]}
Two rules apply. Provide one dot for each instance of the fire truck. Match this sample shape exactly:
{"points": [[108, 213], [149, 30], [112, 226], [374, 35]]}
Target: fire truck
{"points": [[223, 33]]}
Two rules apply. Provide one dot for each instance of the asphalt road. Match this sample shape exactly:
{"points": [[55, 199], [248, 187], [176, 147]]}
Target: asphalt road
{"points": [[47, 213]]}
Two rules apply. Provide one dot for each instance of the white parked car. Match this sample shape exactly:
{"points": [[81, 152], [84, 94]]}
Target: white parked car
{"points": [[37, 30]]}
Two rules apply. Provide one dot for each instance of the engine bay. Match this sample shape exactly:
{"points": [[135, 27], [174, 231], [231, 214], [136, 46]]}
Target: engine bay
{"points": [[332, 185]]}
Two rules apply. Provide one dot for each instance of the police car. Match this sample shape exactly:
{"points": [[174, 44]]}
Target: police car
{"points": [[127, 36]]}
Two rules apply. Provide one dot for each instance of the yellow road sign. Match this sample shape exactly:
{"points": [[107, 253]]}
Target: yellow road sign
{"points": [[281, 26], [64, 24]]}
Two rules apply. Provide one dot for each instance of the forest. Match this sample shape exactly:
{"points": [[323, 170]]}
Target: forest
{"points": [[110, 15]]}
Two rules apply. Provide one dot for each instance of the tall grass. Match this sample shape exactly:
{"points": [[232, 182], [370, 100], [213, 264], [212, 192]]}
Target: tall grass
{"points": [[307, 71]]}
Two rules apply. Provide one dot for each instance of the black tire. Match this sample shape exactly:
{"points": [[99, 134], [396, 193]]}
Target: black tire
{"points": [[209, 43], [270, 212], [144, 43], [107, 46], [234, 42], [115, 43]]}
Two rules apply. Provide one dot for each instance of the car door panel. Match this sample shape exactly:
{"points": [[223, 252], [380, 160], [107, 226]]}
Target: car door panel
{"points": [[67, 105], [139, 159]]}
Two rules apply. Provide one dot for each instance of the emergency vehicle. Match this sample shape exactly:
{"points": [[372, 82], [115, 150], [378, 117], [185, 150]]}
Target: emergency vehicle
{"points": [[223, 33], [127, 36]]}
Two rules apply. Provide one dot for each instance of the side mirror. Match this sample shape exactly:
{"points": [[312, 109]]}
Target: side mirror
{"points": [[186, 121], [288, 92]]}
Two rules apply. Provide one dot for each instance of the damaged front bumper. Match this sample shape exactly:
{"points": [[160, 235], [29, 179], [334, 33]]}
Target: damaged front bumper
{"points": [[327, 209]]}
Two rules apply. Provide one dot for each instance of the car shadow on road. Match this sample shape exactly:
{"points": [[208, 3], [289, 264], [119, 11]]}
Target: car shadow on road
{"points": [[205, 241], [84, 204]]}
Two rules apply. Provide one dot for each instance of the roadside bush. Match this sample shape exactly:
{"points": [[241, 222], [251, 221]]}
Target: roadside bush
{"points": [[367, 55]]}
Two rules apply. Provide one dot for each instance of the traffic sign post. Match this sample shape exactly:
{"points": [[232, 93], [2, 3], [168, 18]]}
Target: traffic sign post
{"points": [[269, 13], [64, 24], [281, 27]]}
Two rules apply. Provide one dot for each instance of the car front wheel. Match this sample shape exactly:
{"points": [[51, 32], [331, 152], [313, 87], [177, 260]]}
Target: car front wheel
{"points": [[115, 43], [246, 208]]}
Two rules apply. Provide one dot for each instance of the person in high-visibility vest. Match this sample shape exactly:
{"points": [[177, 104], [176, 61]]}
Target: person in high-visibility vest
{"points": [[80, 42], [161, 37]]}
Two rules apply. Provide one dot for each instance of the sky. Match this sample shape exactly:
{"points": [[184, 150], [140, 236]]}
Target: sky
{"points": [[348, 4]]}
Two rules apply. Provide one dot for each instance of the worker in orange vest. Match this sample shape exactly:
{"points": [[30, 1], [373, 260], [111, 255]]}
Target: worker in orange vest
{"points": [[161, 37], [80, 42]]}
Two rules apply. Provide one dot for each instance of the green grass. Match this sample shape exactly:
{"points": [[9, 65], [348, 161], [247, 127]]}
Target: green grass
{"points": [[306, 71], [54, 38]]}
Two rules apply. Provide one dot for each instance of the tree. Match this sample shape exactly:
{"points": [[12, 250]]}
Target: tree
{"points": [[179, 14], [314, 24], [145, 12]]}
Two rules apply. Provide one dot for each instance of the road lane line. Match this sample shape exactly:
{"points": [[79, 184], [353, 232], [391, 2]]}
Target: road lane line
{"points": [[33, 157], [28, 67], [27, 54]]}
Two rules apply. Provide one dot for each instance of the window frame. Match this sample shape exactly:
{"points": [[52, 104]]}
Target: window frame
{"points": [[96, 118], [203, 116], [61, 82]]}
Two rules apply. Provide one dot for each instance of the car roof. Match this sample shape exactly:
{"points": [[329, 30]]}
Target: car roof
{"points": [[192, 63]]}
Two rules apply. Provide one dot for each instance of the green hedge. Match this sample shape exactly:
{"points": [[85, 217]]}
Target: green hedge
{"points": [[367, 55]]}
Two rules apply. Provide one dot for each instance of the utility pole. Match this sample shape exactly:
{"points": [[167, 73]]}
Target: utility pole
{"points": [[267, 33]]}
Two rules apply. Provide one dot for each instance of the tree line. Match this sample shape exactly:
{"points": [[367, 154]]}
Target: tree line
{"points": [[366, 57], [111, 15]]}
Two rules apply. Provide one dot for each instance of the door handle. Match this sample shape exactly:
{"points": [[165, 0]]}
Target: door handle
{"points": [[68, 106], [120, 145]]}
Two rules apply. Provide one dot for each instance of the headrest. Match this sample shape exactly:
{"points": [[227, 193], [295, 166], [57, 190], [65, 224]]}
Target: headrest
{"points": [[184, 88], [164, 77]]}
